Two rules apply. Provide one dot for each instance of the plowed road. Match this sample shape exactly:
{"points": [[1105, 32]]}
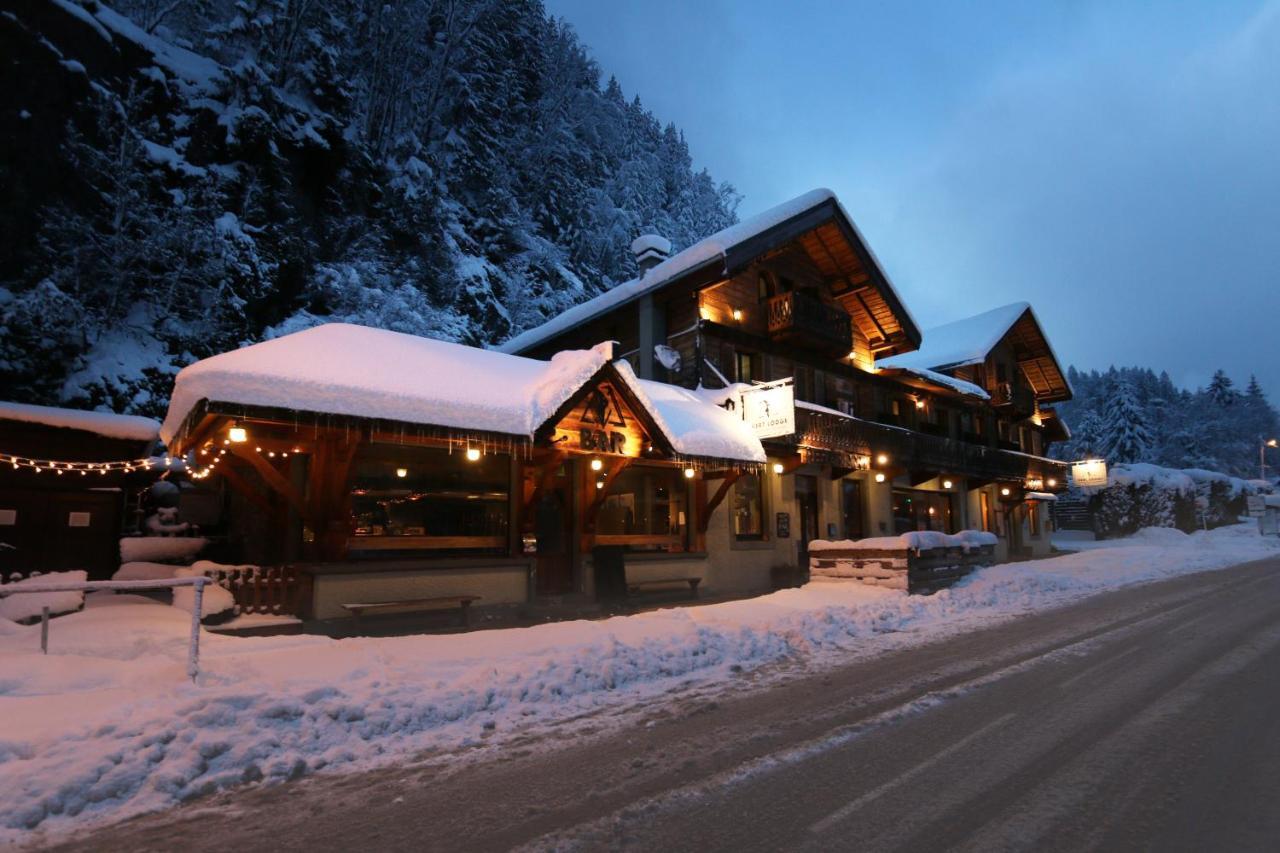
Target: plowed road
{"points": [[1147, 718]]}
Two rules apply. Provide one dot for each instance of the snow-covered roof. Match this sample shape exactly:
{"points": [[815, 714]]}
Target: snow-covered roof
{"points": [[709, 250], [346, 369], [106, 424], [961, 343], [960, 386]]}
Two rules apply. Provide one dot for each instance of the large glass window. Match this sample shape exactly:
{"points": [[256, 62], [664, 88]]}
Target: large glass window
{"points": [[921, 510], [748, 508], [646, 509], [430, 499]]}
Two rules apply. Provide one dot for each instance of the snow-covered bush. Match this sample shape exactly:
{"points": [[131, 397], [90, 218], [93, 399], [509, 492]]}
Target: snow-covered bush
{"points": [[1141, 495]]}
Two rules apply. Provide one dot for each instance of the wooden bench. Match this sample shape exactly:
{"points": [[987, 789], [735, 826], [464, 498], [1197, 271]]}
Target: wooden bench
{"points": [[414, 605], [637, 586]]}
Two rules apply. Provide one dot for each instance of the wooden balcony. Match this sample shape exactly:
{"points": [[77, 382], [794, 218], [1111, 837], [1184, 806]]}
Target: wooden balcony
{"points": [[1018, 398], [919, 451], [806, 321]]}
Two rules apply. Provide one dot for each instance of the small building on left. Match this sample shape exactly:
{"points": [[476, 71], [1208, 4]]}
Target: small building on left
{"points": [[69, 484]]}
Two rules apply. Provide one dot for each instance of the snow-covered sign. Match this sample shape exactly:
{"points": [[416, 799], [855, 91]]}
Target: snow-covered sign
{"points": [[1257, 505], [1090, 472], [668, 357], [769, 409]]}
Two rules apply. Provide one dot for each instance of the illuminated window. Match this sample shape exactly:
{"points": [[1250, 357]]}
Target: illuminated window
{"points": [[915, 509], [985, 500], [443, 502], [646, 508], [747, 509]]}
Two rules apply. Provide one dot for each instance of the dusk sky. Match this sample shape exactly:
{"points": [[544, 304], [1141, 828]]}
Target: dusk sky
{"points": [[1117, 165]]}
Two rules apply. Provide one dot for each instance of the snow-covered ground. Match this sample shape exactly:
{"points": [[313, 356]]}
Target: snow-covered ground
{"points": [[107, 725]]}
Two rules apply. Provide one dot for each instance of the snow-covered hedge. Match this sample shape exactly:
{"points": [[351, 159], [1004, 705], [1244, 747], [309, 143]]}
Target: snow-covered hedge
{"points": [[1141, 495]]}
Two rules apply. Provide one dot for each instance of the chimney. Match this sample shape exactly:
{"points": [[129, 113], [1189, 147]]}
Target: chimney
{"points": [[650, 250]]}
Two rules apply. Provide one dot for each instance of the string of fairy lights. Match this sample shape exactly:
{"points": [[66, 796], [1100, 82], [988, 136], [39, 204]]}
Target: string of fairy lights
{"points": [[84, 469]]}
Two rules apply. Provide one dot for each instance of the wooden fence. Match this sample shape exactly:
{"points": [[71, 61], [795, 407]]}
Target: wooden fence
{"points": [[270, 590]]}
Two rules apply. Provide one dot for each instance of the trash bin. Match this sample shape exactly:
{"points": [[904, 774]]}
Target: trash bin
{"points": [[609, 564]]}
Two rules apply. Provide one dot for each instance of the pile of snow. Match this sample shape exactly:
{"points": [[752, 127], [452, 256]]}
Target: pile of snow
{"points": [[1146, 474], [213, 600], [960, 386], [144, 571], [178, 549], [108, 725], [106, 424], [28, 605], [915, 540], [694, 426]]}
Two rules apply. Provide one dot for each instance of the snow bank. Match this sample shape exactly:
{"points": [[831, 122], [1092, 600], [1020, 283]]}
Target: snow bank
{"points": [[106, 424], [213, 600], [108, 726], [915, 540], [178, 549], [144, 571], [28, 605]]}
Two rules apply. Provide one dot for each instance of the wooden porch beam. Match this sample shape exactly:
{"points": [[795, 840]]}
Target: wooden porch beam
{"points": [[244, 488], [272, 477], [610, 473], [704, 512]]}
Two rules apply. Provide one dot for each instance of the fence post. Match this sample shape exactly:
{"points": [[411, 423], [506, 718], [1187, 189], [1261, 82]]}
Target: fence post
{"points": [[193, 651], [44, 630]]}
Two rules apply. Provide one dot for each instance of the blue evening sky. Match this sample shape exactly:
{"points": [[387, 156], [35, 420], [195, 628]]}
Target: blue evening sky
{"points": [[1115, 164]]}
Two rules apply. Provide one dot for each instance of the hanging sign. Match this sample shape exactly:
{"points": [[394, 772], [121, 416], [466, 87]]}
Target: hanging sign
{"points": [[769, 410], [1090, 472], [601, 423]]}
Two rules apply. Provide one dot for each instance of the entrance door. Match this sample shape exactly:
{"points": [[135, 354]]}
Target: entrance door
{"points": [[553, 525], [1014, 518], [807, 506]]}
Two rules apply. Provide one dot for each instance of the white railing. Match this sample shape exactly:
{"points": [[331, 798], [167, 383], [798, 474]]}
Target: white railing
{"points": [[193, 645]]}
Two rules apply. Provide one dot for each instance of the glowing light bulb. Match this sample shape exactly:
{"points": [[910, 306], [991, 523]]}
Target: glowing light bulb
{"points": [[473, 454], [1005, 492], [237, 434], [882, 459], [879, 478], [402, 472], [778, 468], [596, 464], [946, 484], [688, 473]]}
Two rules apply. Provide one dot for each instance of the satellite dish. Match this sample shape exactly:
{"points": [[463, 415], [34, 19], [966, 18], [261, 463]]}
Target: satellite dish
{"points": [[668, 357]]}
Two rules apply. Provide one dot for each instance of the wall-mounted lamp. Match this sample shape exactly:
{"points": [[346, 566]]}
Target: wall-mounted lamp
{"points": [[882, 459], [599, 484], [778, 468], [238, 434], [879, 477], [402, 472], [1052, 482], [596, 464], [473, 453], [1005, 491], [737, 315], [688, 473], [946, 484], [919, 404]]}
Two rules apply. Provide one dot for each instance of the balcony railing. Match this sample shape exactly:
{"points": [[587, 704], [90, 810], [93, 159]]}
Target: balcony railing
{"points": [[1016, 397], [917, 450], [807, 321]]}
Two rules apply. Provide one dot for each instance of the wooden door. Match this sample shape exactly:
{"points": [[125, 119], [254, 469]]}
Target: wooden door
{"points": [[553, 526], [807, 506]]}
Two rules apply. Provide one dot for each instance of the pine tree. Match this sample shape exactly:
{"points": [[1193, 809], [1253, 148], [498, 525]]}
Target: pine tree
{"points": [[1126, 437], [1222, 390]]}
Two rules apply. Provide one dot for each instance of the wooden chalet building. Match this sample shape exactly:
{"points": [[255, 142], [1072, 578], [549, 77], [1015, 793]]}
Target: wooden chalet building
{"points": [[395, 469], [888, 437], [69, 481]]}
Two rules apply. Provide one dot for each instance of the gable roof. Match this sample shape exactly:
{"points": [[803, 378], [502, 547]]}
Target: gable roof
{"points": [[344, 369], [970, 340], [730, 250]]}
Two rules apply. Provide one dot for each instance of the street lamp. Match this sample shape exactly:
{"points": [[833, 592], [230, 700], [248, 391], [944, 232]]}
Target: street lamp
{"points": [[1262, 456]]}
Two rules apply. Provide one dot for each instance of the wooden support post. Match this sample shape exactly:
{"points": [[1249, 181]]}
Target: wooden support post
{"points": [[272, 477], [704, 512]]}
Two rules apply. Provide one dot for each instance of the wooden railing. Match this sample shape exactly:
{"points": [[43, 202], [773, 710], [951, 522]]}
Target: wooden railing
{"points": [[271, 590], [1018, 397], [807, 321]]}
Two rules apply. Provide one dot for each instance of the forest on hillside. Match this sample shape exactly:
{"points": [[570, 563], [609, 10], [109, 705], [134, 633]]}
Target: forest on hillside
{"points": [[1132, 414], [185, 176]]}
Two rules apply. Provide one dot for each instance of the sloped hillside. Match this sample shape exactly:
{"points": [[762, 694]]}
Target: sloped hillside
{"points": [[183, 177]]}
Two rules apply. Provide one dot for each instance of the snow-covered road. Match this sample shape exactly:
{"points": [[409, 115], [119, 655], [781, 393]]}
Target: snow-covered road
{"points": [[107, 725]]}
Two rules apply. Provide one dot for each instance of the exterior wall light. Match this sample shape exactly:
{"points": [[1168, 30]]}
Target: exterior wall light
{"points": [[473, 453], [688, 473], [599, 484], [737, 315], [919, 404], [238, 434], [402, 472], [596, 464], [1052, 482], [1005, 491], [879, 477], [946, 484], [882, 459], [778, 468]]}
